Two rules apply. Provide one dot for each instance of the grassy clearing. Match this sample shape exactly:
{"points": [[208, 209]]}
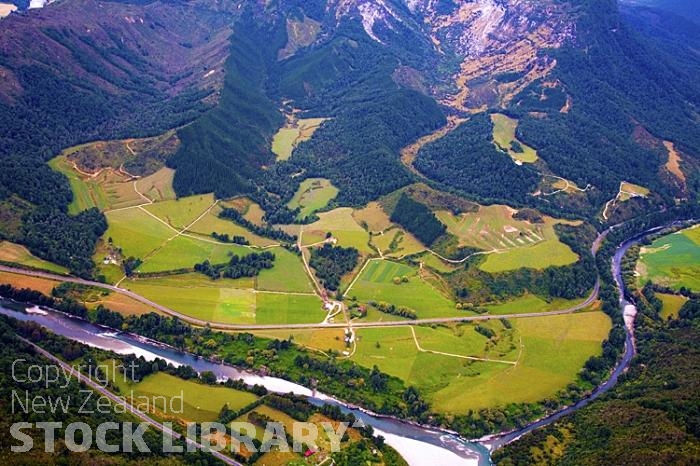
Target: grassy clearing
{"points": [[672, 260], [211, 223], [288, 309], [292, 134], [288, 274], [554, 350], [372, 217], [201, 403], [342, 225], [504, 136], [672, 304], [629, 190], [250, 210], [434, 262], [11, 252], [531, 303], [182, 212], [313, 194], [158, 186], [376, 284], [520, 243]]}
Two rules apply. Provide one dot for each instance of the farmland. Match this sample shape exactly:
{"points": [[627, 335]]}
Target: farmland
{"points": [[376, 284], [313, 194], [342, 225], [516, 243], [504, 136], [672, 260], [672, 303], [17, 254]]}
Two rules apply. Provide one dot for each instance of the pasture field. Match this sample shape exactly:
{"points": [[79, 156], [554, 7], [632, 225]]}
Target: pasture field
{"points": [[217, 301], [211, 223], [342, 225], [313, 194], [201, 403], [434, 262], [182, 212], [288, 274], [553, 352], [273, 308], [531, 303], [22, 281], [376, 284], [373, 216], [504, 136], [519, 243], [11, 252], [250, 210], [397, 242], [136, 232], [316, 338], [292, 134], [672, 304], [184, 252], [158, 186], [672, 260]]}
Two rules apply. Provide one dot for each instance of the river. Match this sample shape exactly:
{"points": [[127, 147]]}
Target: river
{"points": [[417, 444]]}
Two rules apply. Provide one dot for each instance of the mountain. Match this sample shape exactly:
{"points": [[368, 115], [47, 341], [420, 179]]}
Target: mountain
{"points": [[598, 94]]}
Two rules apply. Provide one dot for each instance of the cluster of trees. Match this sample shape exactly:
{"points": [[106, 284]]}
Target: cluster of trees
{"points": [[266, 231], [235, 239], [417, 219], [332, 262], [237, 267], [401, 311]]}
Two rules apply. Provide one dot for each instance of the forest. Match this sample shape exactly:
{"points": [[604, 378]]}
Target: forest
{"points": [[332, 262], [417, 219]]}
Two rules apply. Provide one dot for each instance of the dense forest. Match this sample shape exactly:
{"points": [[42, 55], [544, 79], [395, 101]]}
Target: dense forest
{"points": [[468, 161], [332, 262], [417, 219]]}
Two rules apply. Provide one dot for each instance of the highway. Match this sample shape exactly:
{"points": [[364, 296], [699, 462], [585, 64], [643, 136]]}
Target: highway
{"points": [[246, 327]]}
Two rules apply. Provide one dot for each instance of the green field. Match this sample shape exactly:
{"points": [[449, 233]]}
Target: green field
{"points": [[136, 232], [518, 243], [531, 303], [288, 309], [554, 351], [184, 252], [201, 403], [182, 212], [375, 284], [211, 223], [15, 253], [672, 260], [228, 301], [342, 225], [672, 303], [504, 136], [313, 194], [288, 274], [396, 242]]}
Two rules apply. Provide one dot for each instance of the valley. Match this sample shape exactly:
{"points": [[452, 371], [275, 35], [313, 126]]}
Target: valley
{"points": [[406, 207]]}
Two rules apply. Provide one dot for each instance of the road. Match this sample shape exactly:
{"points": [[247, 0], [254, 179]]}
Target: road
{"points": [[243, 327], [68, 369]]}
